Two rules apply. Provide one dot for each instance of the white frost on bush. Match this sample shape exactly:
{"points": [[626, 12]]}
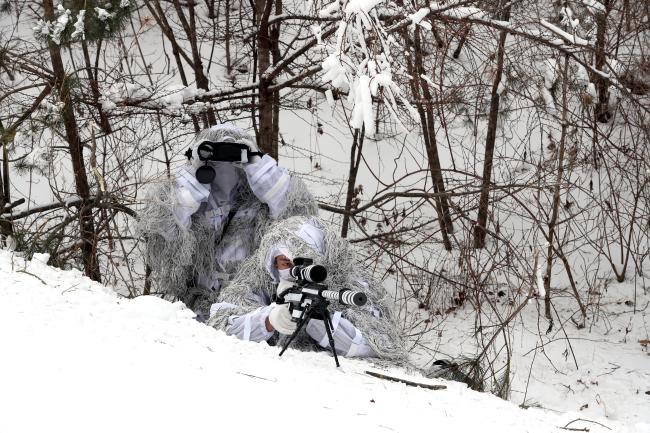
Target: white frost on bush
{"points": [[569, 19], [539, 273], [125, 4], [330, 98], [594, 6], [548, 99], [591, 90], [417, 17], [362, 111], [107, 104], [502, 84], [317, 31], [79, 26], [550, 73], [566, 37], [330, 9], [334, 73], [173, 98], [361, 6], [456, 11], [60, 24], [103, 14], [42, 28]]}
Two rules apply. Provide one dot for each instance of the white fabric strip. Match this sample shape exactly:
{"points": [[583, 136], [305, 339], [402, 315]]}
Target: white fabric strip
{"points": [[280, 184], [325, 341]]}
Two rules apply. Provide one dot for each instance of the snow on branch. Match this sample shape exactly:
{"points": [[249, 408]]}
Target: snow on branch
{"points": [[573, 39], [594, 6]]}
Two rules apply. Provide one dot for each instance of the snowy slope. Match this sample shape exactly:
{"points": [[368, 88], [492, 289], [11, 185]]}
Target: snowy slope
{"points": [[76, 358]]}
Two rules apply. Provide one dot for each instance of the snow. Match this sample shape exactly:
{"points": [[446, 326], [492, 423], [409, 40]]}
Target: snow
{"points": [[539, 277], [573, 39], [79, 26], [78, 358], [417, 17], [103, 14], [362, 111], [361, 6], [594, 6], [317, 31], [330, 98], [329, 9], [456, 11], [60, 24], [334, 73], [42, 28]]}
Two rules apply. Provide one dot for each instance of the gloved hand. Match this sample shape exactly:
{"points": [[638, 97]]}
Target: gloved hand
{"points": [[280, 319], [284, 285]]}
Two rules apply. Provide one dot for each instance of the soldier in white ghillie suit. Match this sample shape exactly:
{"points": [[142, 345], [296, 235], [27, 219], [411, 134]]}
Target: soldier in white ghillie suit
{"points": [[246, 311], [212, 233]]}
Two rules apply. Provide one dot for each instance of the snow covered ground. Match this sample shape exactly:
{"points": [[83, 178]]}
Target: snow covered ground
{"points": [[77, 358]]}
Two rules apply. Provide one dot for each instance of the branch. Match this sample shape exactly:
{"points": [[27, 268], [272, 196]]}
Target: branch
{"points": [[8, 208]]}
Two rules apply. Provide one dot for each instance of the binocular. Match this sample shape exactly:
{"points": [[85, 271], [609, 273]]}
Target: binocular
{"points": [[223, 151]]}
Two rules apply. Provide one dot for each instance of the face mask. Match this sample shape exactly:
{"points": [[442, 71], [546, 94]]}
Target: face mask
{"points": [[285, 274]]}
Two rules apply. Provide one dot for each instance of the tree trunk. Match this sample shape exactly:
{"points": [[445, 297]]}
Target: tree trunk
{"points": [[6, 227], [424, 104], [481, 221], [266, 97], [602, 84], [552, 225], [275, 54], [355, 161], [86, 223], [201, 79], [94, 88]]}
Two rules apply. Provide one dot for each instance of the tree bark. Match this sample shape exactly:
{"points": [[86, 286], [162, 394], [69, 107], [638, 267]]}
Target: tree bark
{"points": [[275, 54], [424, 102], [94, 88], [602, 84], [481, 221], [552, 225], [75, 146], [355, 161], [6, 227], [201, 79], [266, 96]]}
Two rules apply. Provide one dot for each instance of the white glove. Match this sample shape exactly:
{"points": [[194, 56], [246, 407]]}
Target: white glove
{"points": [[284, 285], [280, 319]]}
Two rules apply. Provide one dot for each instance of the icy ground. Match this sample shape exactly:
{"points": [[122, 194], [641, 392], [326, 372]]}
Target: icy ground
{"points": [[77, 358]]}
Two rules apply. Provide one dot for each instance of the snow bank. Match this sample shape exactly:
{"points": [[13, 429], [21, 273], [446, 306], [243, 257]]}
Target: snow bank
{"points": [[77, 358]]}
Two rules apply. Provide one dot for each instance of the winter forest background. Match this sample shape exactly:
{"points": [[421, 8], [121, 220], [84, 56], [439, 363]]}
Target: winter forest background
{"points": [[491, 159]]}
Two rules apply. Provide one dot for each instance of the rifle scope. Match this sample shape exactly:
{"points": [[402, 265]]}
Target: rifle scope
{"points": [[346, 296], [343, 296], [310, 273]]}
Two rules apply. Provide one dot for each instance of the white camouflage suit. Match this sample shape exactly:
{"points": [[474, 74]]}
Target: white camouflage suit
{"points": [[245, 199]]}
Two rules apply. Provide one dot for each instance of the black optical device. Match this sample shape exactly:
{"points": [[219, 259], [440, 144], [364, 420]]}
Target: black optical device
{"points": [[224, 151], [308, 299], [305, 269]]}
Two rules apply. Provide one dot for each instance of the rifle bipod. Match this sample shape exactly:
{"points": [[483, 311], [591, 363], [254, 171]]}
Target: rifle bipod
{"points": [[319, 309]]}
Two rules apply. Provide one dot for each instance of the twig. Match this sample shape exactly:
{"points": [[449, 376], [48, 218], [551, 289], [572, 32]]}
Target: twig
{"points": [[406, 382], [35, 276], [566, 427], [257, 377]]}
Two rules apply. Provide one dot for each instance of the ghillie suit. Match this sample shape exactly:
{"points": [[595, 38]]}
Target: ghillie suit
{"points": [[197, 235], [255, 283]]}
